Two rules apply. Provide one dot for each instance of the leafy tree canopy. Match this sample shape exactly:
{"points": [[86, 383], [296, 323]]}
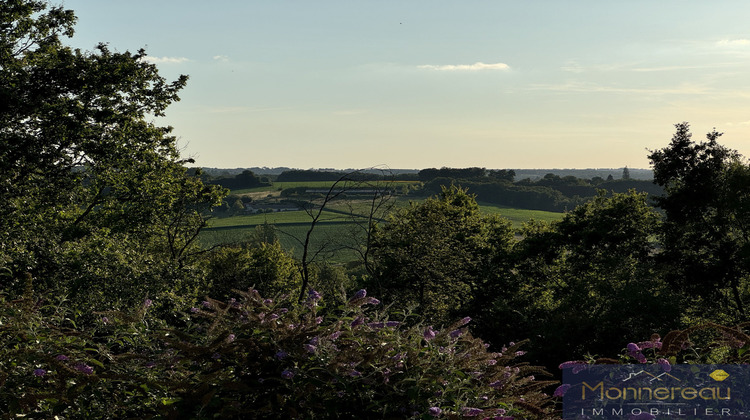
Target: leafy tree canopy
{"points": [[440, 253], [707, 213], [80, 157]]}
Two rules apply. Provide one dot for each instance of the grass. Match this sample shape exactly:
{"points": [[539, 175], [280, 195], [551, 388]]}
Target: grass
{"points": [[275, 218], [335, 229], [333, 237], [520, 216]]}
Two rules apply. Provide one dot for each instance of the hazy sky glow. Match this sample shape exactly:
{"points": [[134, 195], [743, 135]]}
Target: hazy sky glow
{"points": [[431, 83]]}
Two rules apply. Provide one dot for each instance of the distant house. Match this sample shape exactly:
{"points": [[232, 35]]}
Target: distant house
{"points": [[269, 208], [353, 191]]}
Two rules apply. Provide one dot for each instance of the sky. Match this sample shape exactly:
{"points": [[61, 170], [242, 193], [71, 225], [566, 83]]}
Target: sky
{"points": [[432, 83]]}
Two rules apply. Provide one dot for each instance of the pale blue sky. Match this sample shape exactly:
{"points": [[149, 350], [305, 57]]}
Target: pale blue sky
{"points": [[431, 83]]}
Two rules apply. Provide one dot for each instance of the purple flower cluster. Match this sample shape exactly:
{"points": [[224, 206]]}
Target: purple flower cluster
{"points": [[429, 333], [464, 321], [313, 295], [281, 354], [312, 298], [561, 390], [84, 368], [576, 365], [361, 293], [665, 365], [634, 351], [471, 411], [457, 333]]}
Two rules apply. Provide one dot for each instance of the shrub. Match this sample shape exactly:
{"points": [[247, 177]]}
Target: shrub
{"points": [[270, 359], [257, 357]]}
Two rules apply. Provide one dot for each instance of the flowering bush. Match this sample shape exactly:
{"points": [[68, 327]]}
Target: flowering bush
{"points": [[52, 367], [274, 360], [256, 357]]}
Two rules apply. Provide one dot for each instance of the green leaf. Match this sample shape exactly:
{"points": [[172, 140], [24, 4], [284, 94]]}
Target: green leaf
{"points": [[169, 401]]}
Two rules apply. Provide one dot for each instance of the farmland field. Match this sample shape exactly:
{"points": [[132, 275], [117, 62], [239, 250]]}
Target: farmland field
{"points": [[276, 187], [334, 227], [520, 216]]}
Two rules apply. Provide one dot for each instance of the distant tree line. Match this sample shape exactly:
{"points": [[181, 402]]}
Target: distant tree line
{"points": [[246, 179], [550, 193], [308, 175]]}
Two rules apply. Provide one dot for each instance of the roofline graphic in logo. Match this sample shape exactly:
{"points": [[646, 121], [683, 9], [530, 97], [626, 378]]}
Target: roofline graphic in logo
{"points": [[653, 377]]}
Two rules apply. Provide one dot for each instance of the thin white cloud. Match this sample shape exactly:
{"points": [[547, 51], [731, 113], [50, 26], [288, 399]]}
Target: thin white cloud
{"points": [[466, 67], [684, 89], [241, 109], [685, 67], [625, 67], [575, 67], [742, 42], [221, 58], [165, 60], [350, 112]]}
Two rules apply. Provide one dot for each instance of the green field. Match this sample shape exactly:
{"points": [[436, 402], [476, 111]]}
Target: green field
{"points": [[277, 186], [335, 235], [276, 218], [335, 229], [520, 216], [328, 184]]}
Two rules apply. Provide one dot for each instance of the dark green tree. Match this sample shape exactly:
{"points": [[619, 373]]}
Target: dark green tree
{"points": [[82, 168], [592, 279], [440, 254], [706, 230], [263, 266]]}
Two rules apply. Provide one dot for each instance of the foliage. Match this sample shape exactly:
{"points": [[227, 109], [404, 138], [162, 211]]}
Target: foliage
{"points": [[52, 367], [593, 279], [500, 191], [265, 266], [245, 179], [299, 175], [82, 169], [439, 254], [429, 174], [265, 358], [705, 231]]}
